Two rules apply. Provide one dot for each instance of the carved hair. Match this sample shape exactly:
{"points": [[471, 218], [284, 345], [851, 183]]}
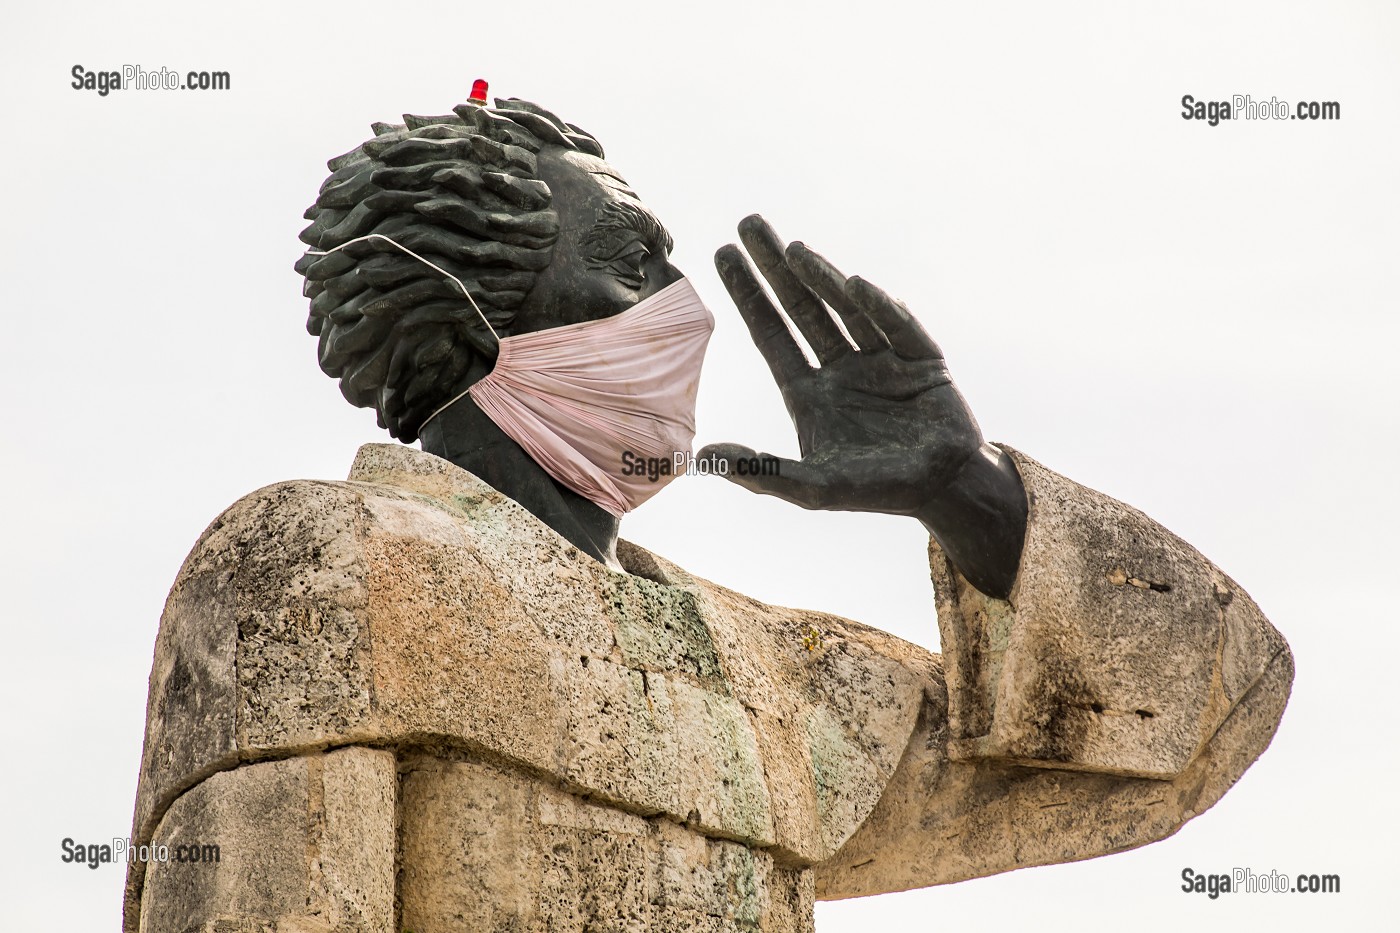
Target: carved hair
{"points": [[462, 191]]}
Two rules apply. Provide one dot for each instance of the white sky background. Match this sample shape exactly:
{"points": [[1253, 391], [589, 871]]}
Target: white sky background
{"points": [[1200, 321]]}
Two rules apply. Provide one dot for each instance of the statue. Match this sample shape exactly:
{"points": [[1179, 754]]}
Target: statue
{"points": [[444, 695]]}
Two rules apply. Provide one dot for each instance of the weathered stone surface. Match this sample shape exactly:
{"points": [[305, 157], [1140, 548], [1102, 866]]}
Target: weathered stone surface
{"points": [[1121, 648], [414, 603], [942, 821], [358, 839], [305, 844], [260, 630], [489, 849], [1058, 678], [577, 748]]}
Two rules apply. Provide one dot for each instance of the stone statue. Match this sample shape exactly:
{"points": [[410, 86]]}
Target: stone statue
{"points": [[443, 695]]}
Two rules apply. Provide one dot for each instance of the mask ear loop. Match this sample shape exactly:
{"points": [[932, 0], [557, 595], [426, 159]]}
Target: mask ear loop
{"points": [[434, 267], [430, 265]]}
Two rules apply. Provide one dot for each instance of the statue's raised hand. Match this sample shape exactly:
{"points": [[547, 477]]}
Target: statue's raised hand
{"points": [[880, 425]]}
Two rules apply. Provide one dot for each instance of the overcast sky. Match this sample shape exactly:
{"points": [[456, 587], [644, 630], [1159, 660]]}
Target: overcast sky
{"points": [[1198, 320]]}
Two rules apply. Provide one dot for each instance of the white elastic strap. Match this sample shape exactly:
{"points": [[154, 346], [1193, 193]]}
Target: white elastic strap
{"points": [[430, 265], [439, 410]]}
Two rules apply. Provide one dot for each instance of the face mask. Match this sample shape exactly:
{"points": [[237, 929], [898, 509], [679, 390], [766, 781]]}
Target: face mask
{"points": [[606, 407]]}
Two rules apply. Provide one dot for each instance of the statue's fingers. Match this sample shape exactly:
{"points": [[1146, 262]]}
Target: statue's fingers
{"points": [[789, 480], [906, 335], [867, 335], [769, 331], [800, 302], [817, 273], [823, 278]]}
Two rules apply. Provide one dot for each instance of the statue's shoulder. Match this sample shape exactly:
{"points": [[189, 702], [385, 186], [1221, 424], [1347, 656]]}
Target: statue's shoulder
{"points": [[413, 604]]}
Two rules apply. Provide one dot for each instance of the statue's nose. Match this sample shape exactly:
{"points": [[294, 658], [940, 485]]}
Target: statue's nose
{"points": [[669, 274]]}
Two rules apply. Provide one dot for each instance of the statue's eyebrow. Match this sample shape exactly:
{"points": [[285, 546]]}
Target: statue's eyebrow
{"points": [[619, 223], [651, 229], [632, 215]]}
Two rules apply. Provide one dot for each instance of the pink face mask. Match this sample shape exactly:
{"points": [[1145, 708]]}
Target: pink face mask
{"points": [[591, 401], [598, 402]]}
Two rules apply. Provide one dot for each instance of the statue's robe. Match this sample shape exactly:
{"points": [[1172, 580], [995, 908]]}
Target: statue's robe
{"points": [[402, 702]]}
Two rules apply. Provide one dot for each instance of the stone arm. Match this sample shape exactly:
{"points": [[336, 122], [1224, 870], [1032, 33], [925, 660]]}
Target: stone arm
{"points": [[1119, 690], [1102, 682]]}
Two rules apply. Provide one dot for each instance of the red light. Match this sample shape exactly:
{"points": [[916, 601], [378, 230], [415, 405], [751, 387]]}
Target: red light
{"points": [[478, 92]]}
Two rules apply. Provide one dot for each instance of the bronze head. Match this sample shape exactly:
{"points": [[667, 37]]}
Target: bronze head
{"points": [[513, 201]]}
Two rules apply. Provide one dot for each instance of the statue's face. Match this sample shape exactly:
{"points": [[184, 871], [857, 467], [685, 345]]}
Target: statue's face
{"points": [[611, 252]]}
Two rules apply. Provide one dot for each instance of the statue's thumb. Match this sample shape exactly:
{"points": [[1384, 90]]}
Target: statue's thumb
{"points": [[762, 472]]}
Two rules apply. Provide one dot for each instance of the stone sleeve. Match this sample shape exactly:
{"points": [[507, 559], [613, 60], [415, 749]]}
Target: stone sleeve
{"points": [[1120, 650], [1135, 679]]}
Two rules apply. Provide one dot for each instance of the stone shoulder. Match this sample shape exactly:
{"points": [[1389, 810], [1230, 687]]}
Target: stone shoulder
{"points": [[413, 605]]}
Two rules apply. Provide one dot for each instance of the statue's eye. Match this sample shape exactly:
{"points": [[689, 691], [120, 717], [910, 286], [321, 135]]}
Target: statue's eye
{"points": [[629, 264], [618, 250]]}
